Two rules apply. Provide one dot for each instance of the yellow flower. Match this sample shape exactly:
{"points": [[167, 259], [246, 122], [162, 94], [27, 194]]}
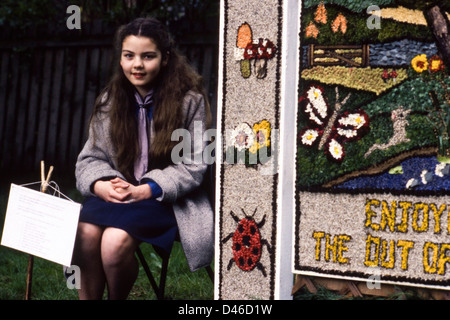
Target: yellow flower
{"points": [[420, 63], [436, 64], [261, 132]]}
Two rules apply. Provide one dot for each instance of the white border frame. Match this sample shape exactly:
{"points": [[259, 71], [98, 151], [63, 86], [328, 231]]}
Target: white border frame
{"points": [[293, 249], [219, 143], [287, 169], [287, 148]]}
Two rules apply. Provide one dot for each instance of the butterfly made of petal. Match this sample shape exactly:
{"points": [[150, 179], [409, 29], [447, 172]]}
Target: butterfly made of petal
{"points": [[327, 127]]}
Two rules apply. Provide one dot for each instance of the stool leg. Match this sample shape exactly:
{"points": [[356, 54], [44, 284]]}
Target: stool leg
{"points": [[150, 277], [162, 279], [210, 273]]}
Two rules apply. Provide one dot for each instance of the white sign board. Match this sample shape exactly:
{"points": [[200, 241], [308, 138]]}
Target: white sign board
{"points": [[401, 239], [40, 224]]}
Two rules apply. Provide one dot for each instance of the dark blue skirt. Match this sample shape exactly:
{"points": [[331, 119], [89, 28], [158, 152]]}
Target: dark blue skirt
{"points": [[149, 221]]}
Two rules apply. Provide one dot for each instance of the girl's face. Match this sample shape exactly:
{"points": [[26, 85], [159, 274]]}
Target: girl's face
{"points": [[141, 62]]}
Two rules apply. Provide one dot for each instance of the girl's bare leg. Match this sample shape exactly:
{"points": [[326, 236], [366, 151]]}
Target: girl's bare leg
{"points": [[119, 262], [87, 256]]}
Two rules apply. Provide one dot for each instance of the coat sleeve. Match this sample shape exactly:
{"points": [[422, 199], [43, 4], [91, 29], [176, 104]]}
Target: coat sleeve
{"points": [[188, 170], [95, 161]]}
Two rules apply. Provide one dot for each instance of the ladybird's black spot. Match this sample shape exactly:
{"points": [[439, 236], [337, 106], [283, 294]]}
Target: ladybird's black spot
{"points": [[255, 251], [240, 228], [246, 241], [241, 261], [252, 230], [237, 246], [250, 262]]}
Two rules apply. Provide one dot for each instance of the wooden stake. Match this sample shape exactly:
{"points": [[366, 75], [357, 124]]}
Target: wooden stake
{"points": [[45, 181], [29, 277], [44, 184]]}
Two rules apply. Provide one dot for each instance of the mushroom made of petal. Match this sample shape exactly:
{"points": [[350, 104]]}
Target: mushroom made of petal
{"points": [[265, 50], [244, 39]]}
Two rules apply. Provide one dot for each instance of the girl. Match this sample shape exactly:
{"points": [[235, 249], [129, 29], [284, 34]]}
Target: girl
{"points": [[134, 191]]}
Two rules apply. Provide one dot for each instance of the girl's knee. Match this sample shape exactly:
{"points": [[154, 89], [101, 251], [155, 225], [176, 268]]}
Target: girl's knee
{"points": [[89, 232], [117, 247], [87, 244]]}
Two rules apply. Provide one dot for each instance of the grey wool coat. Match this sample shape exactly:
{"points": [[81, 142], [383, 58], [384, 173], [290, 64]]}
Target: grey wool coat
{"points": [[180, 182]]}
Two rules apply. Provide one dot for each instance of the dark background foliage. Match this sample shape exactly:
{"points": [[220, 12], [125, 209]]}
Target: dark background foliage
{"points": [[41, 18]]}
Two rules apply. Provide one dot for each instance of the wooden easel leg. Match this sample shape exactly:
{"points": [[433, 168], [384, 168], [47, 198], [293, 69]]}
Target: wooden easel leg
{"points": [[44, 184], [29, 277]]}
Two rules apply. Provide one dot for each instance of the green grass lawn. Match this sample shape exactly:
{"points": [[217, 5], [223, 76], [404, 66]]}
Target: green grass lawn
{"points": [[49, 282]]}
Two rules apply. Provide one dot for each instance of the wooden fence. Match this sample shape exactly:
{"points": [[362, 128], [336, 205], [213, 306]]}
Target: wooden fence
{"points": [[352, 55], [47, 92]]}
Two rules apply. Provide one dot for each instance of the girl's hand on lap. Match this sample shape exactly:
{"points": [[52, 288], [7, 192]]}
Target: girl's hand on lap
{"points": [[139, 193], [119, 191], [112, 192]]}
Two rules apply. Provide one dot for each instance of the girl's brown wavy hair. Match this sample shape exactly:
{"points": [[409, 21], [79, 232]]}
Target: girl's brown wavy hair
{"points": [[175, 79]]}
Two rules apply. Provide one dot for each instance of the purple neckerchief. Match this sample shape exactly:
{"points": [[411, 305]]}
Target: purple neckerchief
{"points": [[141, 163]]}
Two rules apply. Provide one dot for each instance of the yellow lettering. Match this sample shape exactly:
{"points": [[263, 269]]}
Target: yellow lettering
{"points": [[448, 221], [405, 251], [443, 258], [330, 247], [389, 212], [424, 209], [370, 213], [430, 268], [404, 224], [334, 247], [388, 216], [342, 247], [437, 216], [318, 236], [369, 241], [389, 264]]}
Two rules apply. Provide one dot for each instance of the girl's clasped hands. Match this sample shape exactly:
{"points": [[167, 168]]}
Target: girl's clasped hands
{"points": [[118, 190]]}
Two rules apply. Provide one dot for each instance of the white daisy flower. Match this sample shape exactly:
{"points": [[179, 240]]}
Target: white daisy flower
{"points": [[309, 137], [242, 137], [335, 149]]}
